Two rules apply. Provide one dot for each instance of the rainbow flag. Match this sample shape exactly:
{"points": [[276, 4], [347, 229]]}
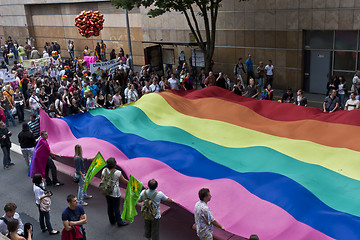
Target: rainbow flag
{"points": [[273, 169]]}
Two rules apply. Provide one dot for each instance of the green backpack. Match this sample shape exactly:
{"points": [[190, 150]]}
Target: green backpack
{"points": [[148, 209], [106, 186]]}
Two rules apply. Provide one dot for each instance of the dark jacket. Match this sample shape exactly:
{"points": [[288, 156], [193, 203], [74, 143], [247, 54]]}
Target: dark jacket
{"points": [[5, 142], [26, 139]]}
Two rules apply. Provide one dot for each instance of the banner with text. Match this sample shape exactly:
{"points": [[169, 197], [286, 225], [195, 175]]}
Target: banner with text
{"points": [[101, 67], [41, 62]]}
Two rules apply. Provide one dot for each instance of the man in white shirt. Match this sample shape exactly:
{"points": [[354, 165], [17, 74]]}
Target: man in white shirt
{"points": [[10, 213], [352, 103], [123, 66], [204, 220], [269, 73], [34, 103], [174, 83], [356, 83], [152, 226], [155, 86]]}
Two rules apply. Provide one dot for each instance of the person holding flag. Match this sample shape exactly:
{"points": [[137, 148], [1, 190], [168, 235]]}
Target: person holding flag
{"points": [[113, 199], [80, 175], [132, 195], [42, 162]]}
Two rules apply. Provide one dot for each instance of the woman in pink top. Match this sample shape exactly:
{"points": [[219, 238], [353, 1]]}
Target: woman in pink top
{"points": [[117, 99]]}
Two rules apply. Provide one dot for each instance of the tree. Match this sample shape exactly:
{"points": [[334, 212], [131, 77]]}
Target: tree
{"points": [[207, 9]]}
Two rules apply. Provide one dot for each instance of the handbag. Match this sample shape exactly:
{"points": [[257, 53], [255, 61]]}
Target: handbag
{"points": [[76, 179], [45, 204], [13, 111]]}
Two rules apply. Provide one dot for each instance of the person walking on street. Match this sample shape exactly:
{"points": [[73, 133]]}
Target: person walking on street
{"points": [[5, 145], [204, 220], [42, 200], [27, 143], [19, 101], [113, 199], [152, 226]]}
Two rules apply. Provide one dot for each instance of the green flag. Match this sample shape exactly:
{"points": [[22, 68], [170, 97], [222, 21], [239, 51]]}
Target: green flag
{"points": [[97, 164], [133, 191]]}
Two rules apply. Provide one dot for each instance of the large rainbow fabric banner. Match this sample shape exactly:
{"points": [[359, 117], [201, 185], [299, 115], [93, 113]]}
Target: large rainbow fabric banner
{"points": [[274, 169]]}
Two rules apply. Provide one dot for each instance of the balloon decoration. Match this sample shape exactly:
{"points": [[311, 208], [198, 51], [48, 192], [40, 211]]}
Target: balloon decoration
{"points": [[55, 55], [64, 77], [67, 69], [89, 23]]}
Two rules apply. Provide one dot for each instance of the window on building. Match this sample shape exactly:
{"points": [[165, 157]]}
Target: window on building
{"points": [[346, 40], [319, 39]]}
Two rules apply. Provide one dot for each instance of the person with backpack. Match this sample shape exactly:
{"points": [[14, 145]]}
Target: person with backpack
{"points": [[10, 214], [151, 209], [109, 186], [42, 200]]}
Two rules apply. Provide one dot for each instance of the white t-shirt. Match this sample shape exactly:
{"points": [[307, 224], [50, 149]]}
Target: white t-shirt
{"points": [[34, 100], [352, 104], [356, 81], [159, 196], [154, 88], [38, 193], [269, 69], [340, 86], [116, 192], [174, 83], [146, 90]]}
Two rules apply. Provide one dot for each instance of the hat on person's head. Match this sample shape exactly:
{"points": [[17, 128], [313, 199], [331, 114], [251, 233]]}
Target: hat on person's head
{"points": [[44, 51]]}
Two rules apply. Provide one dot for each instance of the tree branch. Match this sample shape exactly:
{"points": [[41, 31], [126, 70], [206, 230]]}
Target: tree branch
{"points": [[196, 23], [201, 43]]}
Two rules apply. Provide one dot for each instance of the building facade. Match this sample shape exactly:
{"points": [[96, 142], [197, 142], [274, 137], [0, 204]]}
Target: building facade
{"points": [[307, 40]]}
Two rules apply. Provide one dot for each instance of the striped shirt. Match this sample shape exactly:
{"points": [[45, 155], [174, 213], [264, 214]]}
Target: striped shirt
{"points": [[35, 127]]}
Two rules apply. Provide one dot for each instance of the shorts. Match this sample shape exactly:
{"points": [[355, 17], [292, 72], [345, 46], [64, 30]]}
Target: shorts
{"points": [[152, 228]]}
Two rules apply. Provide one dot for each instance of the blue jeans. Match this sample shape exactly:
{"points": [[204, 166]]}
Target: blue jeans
{"points": [[44, 216], [113, 209], [36, 112], [270, 79], [342, 101], [20, 112], [9, 116], [6, 158], [81, 193], [261, 84]]}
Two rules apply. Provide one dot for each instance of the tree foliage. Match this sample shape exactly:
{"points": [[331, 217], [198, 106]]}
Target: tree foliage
{"points": [[207, 9]]}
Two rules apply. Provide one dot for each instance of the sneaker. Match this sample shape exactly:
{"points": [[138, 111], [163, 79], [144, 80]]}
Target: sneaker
{"points": [[11, 164], [6, 167], [58, 184], [84, 204], [88, 197], [54, 232], [123, 224]]}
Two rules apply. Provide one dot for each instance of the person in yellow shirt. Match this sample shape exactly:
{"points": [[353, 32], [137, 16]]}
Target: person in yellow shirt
{"points": [[22, 53]]}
